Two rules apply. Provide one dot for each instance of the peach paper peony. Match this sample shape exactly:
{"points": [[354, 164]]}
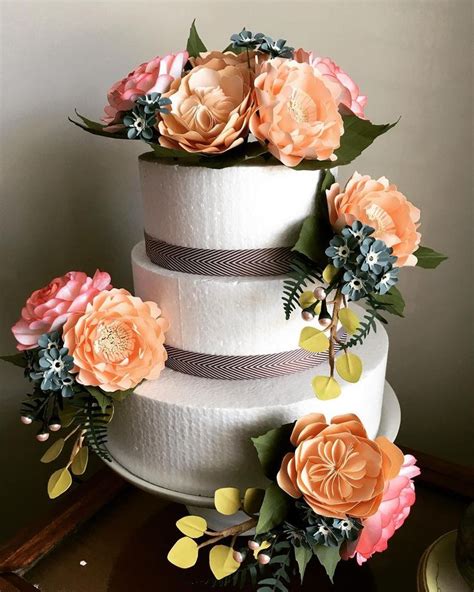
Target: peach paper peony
{"points": [[343, 88], [337, 469], [398, 497], [153, 76], [48, 308], [210, 106], [117, 342], [296, 113], [380, 205]]}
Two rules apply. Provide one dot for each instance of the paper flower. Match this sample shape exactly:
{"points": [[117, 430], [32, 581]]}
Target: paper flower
{"points": [[48, 308], [341, 85], [117, 342], [150, 77], [296, 113], [380, 205], [398, 497], [210, 106], [336, 468]]}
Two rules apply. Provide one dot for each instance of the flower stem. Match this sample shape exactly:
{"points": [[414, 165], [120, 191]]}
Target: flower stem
{"points": [[233, 531], [333, 329]]}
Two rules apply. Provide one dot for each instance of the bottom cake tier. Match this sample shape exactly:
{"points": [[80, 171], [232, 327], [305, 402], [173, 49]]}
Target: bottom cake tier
{"points": [[192, 435]]}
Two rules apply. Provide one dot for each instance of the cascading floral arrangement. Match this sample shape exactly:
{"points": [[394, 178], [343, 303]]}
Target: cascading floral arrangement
{"points": [[258, 101], [83, 345], [334, 494]]}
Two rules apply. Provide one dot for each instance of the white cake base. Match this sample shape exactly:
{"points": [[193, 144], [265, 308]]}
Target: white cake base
{"points": [[204, 505]]}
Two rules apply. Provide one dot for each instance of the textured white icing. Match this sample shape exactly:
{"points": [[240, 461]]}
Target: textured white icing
{"points": [[237, 207], [218, 315], [191, 434]]}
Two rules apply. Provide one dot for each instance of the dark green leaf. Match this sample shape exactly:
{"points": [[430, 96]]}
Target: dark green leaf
{"points": [[274, 509], [16, 359], [161, 152], [428, 258], [276, 584], [121, 395], [89, 123], [195, 45], [102, 399], [97, 129], [303, 556], [329, 557], [392, 301], [358, 135], [271, 448]]}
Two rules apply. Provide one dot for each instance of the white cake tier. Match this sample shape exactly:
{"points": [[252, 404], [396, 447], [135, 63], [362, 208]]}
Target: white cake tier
{"points": [[218, 315], [192, 435], [241, 207]]}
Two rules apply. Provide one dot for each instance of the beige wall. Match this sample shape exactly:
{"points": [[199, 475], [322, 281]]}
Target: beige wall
{"points": [[70, 201]]}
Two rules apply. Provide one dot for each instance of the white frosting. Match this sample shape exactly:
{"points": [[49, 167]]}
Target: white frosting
{"points": [[218, 315], [239, 207], [191, 435]]}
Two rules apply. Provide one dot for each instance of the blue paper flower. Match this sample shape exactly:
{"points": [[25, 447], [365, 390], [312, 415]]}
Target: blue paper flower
{"points": [[323, 533], [50, 365], [358, 230], [247, 39], [357, 284], [153, 103], [276, 49], [347, 529], [374, 256], [340, 250], [388, 279], [140, 124]]}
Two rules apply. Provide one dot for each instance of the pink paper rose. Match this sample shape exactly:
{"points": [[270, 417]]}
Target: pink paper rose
{"points": [[49, 308], [343, 88], [398, 497], [153, 76]]}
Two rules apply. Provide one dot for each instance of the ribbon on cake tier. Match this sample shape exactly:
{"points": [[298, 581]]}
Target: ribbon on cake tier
{"points": [[223, 262], [224, 367]]}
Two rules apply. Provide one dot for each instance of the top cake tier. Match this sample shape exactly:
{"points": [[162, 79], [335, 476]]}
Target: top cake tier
{"points": [[240, 207]]}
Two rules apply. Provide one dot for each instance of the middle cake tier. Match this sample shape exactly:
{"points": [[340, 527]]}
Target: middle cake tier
{"points": [[233, 316]]}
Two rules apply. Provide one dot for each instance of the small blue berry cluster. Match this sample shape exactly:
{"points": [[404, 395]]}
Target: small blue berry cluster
{"points": [[50, 365], [248, 40], [367, 262]]}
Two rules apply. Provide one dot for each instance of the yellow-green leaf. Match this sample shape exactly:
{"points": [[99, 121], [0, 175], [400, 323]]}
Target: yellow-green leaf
{"points": [[329, 273], [263, 545], [253, 500], [184, 553], [326, 387], [306, 299], [349, 367], [53, 451], [349, 320], [67, 416], [192, 526], [222, 562], [227, 500], [59, 482], [79, 464], [313, 340]]}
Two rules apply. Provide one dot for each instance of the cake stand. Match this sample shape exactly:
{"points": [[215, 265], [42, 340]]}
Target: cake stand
{"points": [[204, 506]]}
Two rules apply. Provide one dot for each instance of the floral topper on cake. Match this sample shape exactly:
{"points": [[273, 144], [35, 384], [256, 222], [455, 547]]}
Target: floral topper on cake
{"points": [[258, 101], [354, 245], [84, 346], [334, 494]]}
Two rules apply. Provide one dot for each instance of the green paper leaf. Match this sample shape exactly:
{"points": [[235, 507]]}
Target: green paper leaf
{"points": [[253, 500], [329, 557], [329, 273], [102, 399], [67, 415], [79, 464], [358, 135], [274, 509], [59, 482], [349, 366], [392, 301], [53, 451], [98, 129], [349, 320], [303, 557], [428, 258], [16, 359], [271, 448], [120, 395], [194, 45], [326, 388], [313, 340]]}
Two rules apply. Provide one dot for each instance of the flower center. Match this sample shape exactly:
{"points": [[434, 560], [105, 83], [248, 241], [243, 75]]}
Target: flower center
{"points": [[378, 217], [115, 341], [301, 107]]}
